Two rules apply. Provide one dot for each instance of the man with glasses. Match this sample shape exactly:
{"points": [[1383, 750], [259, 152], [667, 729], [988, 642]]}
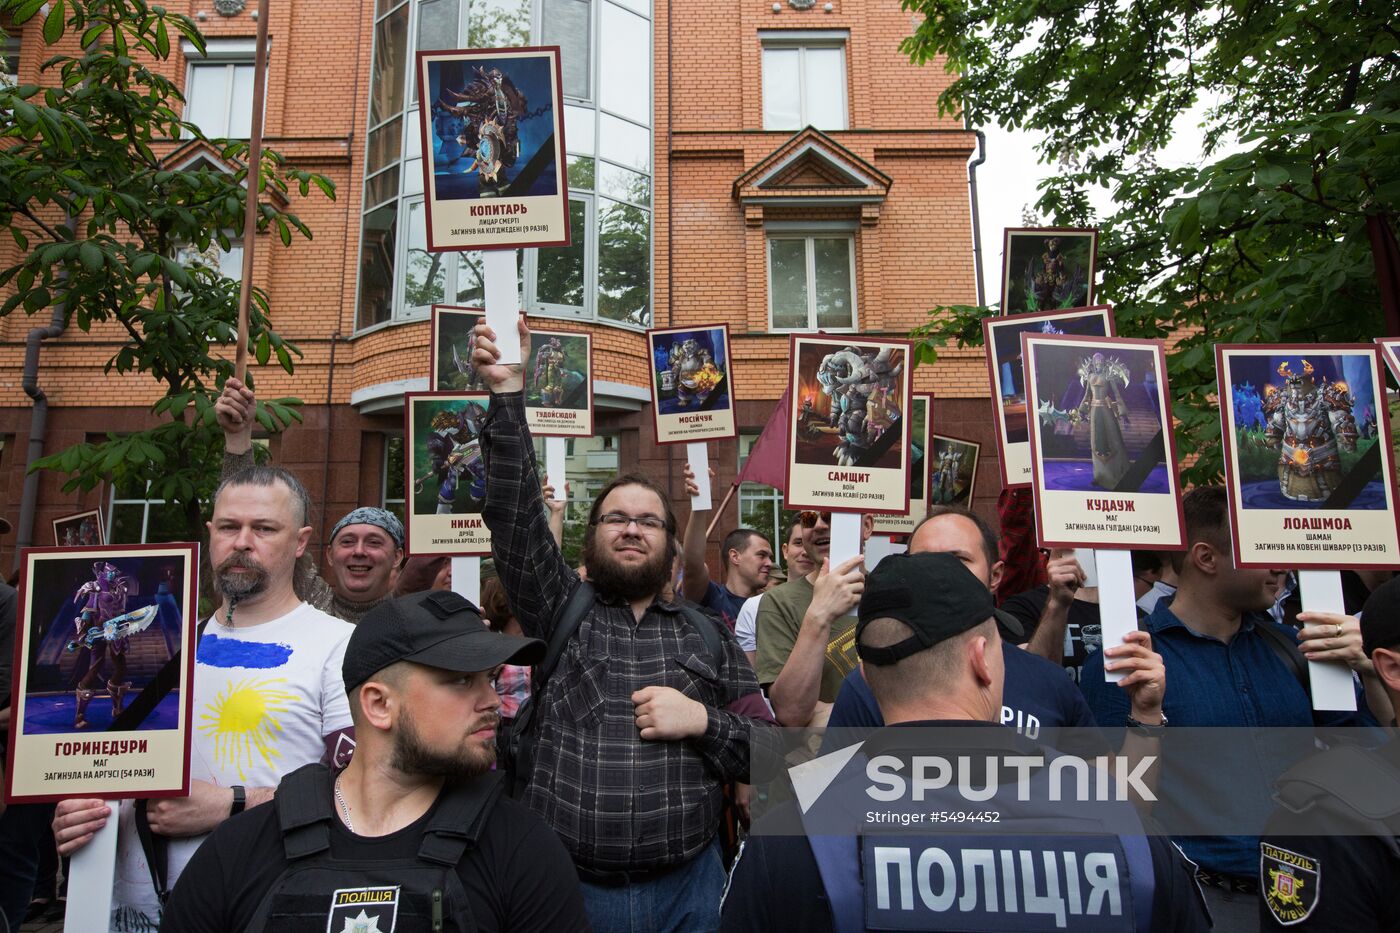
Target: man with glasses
{"points": [[641, 724], [805, 631]]}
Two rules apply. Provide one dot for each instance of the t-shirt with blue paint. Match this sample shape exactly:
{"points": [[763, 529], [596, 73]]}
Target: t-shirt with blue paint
{"points": [[264, 697]]}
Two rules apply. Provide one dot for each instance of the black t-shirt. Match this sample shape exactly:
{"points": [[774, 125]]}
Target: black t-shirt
{"points": [[1083, 632], [518, 877], [1352, 866], [785, 863]]}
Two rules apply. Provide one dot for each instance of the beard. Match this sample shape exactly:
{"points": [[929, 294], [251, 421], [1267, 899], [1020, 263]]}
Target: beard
{"points": [[411, 756], [612, 578], [236, 586]]}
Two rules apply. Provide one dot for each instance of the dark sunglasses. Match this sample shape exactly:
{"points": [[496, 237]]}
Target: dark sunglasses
{"points": [[809, 519]]}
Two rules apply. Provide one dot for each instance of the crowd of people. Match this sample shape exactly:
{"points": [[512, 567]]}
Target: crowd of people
{"points": [[578, 752]]}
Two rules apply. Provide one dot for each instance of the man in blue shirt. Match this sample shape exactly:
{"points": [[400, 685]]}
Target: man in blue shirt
{"points": [[1038, 695], [747, 557], [1225, 671]]}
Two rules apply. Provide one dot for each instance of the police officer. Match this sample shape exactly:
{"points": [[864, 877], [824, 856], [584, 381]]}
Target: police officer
{"points": [[1329, 858], [928, 640], [414, 835]]}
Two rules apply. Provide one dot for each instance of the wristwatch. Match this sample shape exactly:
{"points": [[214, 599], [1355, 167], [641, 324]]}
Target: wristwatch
{"points": [[1152, 732], [240, 800]]}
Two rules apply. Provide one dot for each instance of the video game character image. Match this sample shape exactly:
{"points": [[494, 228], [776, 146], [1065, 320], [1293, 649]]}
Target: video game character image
{"points": [[466, 369], [104, 627], [693, 372], [945, 476], [455, 451], [549, 373], [858, 386], [1308, 424], [1103, 407], [483, 120]]}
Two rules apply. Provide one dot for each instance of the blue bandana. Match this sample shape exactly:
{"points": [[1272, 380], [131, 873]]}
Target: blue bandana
{"points": [[369, 515]]}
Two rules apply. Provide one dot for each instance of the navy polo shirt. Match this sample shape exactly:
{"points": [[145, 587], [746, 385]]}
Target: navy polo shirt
{"points": [[1243, 684]]}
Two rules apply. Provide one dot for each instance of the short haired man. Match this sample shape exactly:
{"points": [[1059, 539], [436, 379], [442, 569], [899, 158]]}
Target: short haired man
{"points": [[746, 555], [417, 813], [365, 545], [1037, 695], [928, 637], [267, 694], [636, 735], [805, 630], [798, 565], [1226, 671], [1329, 858]]}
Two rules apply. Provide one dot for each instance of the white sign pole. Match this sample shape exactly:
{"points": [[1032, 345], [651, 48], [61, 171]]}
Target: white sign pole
{"points": [[555, 449], [90, 874], [697, 455], [1332, 687], [503, 301], [1113, 574], [878, 547], [466, 578], [845, 537]]}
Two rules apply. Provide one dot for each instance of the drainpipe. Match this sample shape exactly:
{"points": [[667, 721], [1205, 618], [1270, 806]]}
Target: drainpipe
{"points": [[39, 415], [976, 221]]}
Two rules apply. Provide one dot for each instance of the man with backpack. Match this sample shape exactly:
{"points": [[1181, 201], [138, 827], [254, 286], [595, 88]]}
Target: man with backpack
{"points": [[1230, 664], [414, 834], [638, 715]]}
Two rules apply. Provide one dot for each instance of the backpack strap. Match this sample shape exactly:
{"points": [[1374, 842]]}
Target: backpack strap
{"points": [[304, 811], [708, 627], [459, 820], [566, 622], [1287, 651]]}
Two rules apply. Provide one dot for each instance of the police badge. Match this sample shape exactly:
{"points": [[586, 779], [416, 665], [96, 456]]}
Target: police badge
{"points": [[363, 910], [1290, 883]]}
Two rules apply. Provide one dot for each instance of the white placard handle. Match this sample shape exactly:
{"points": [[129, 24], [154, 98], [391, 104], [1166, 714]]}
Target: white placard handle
{"points": [[845, 538], [697, 455], [1331, 682], [503, 301], [90, 874], [466, 578], [555, 449], [1117, 601]]}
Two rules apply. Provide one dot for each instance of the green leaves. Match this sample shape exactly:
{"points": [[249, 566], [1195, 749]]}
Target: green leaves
{"points": [[53, 23]]}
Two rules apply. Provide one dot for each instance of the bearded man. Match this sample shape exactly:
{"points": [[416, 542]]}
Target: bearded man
{"points": [[640, 724]]}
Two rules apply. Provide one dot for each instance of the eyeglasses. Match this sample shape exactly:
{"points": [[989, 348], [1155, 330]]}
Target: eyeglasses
{"points": [[618, 521], [809, 519]]}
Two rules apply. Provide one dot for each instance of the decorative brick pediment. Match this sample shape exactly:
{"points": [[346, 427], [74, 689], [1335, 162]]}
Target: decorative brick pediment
{"points": [[811, 168], [190, 155]]}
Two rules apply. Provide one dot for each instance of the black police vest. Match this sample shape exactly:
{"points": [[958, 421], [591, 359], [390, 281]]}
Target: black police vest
{"points": [[319, 892], [1040, 867]]}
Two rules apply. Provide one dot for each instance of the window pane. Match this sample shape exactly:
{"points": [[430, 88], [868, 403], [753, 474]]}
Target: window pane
{"points": [[384, 145], [625, 142], [495, 24], [413, 176], [390, 56], [378, 234], [471, 279], [833, 286], [166, 522], [624, 185], [206, 99], [560, 269], [381, 5], [393, 469], [782, 100], [624, 260], [641, 6], [625, 64], [383, 187], [581, 173], [240, 114], [130, 488], [437, 25], [826, 88], [125, 524], [578, 128], [424, 275], [566, 24], [787, 267]]}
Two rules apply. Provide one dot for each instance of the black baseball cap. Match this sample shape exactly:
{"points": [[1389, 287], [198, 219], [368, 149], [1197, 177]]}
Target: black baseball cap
{"points": [[438, 628], [1380, 617], [931, 592]]}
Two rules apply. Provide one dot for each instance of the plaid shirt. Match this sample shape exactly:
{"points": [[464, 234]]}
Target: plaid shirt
{"points": [[618, 802]]}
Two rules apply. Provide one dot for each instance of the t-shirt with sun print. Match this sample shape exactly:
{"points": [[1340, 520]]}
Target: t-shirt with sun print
{"points": [[264, 698]]}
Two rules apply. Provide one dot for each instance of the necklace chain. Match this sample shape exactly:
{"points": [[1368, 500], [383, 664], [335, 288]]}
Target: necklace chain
{"points": [[344, 807]]}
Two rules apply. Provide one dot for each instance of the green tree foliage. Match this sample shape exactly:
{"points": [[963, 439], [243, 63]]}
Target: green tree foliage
{"points": [[112, 231], [1264, 239]]}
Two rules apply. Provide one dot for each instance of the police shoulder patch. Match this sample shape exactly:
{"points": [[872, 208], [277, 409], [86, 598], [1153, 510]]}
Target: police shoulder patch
{"points": [[363, 910], [1289, 882]]}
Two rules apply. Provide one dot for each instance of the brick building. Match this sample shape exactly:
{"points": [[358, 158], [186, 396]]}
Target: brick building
{"points": [[778, 166]]}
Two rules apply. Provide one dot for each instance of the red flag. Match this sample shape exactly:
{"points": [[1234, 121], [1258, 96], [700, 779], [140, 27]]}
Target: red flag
{"points": [[767, 461]]}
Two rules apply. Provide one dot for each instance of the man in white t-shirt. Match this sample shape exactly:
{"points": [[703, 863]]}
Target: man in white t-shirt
{"points": [[268, 695]]}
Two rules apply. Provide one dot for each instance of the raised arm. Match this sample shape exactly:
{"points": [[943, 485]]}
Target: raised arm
{"points": [[697, 573], [528, 559]]}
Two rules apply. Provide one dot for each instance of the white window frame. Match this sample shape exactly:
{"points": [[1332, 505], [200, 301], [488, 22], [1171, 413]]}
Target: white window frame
{"points": [[227, 52], [811, 256], [801, 40], [10, 50]]}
